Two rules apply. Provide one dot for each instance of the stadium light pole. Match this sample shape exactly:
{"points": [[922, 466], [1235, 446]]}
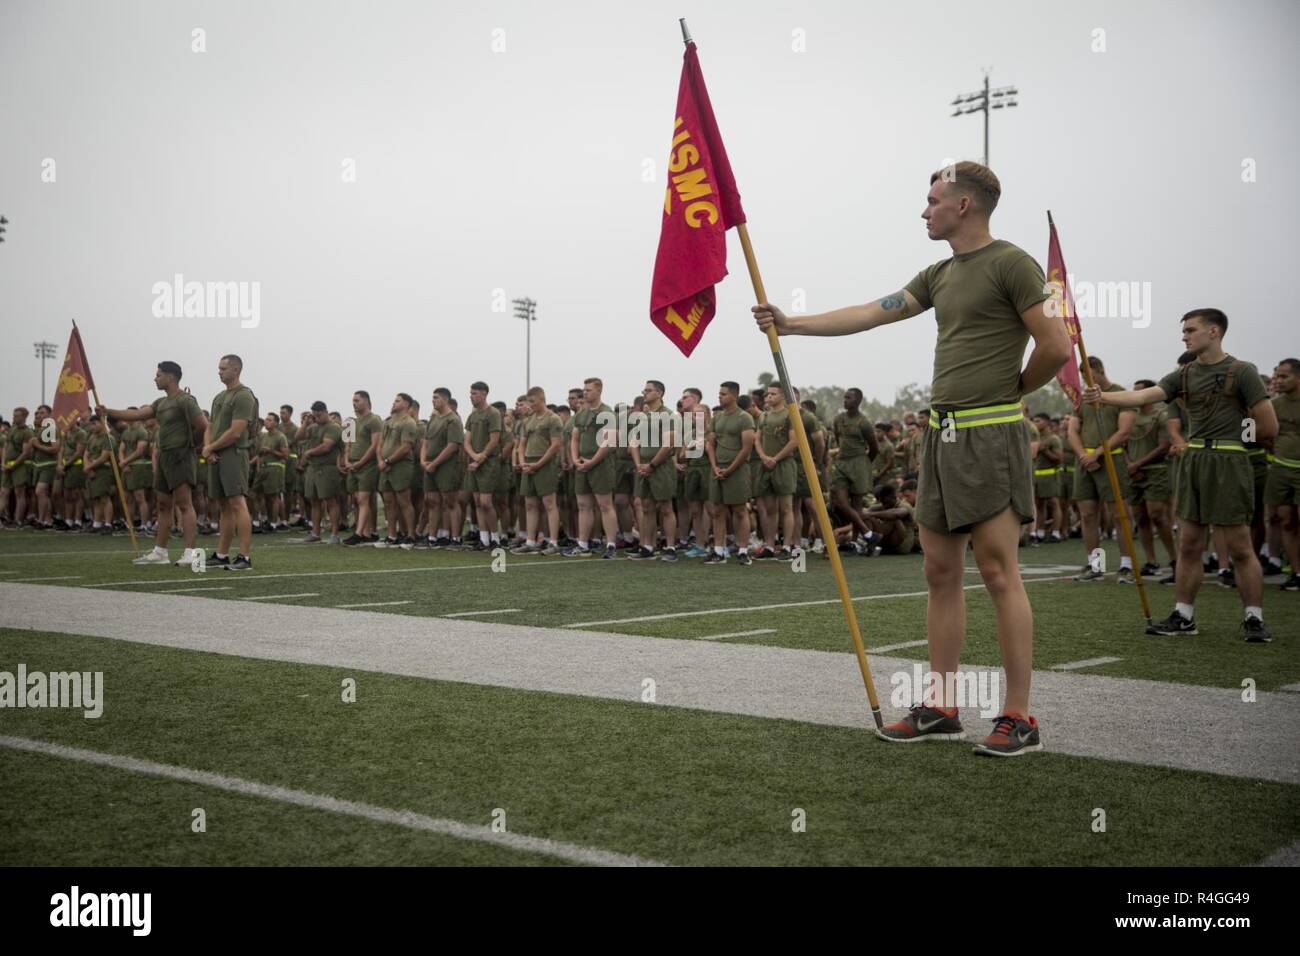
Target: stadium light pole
{"points": [[44, 350], [526, 309], [982, 101]]}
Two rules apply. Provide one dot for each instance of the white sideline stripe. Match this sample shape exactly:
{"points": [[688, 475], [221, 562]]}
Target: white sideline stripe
{"points": [[66, 577], [896, 647], [504, 610], [1293, 688], [375, 604], [276, 597], [774, 607], [179, 590], [245, 576], [350, 808], [718, 637], [1090, 662]]}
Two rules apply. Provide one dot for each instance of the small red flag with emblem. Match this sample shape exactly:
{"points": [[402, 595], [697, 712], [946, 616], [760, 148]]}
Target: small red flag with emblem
{"points": [[71, 395], [1058, 281], [700, 204]]}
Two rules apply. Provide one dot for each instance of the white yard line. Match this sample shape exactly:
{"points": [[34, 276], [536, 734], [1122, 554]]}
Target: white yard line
{"points": [[66, 577], [896, 647], [1090, 662], [774, 607], [504, 610], [1293, 688], [206, 588], [246, 576], [280, 597], [351, 808], [718, 637], [375, 604]]}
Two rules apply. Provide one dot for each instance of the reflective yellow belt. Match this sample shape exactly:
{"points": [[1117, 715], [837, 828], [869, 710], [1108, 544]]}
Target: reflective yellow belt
{"points": [[1256, 452], [11, 462], [1040, 472], [1215, 444], [273, 464], [974, 417], [1284, 462], [1113, 451]]}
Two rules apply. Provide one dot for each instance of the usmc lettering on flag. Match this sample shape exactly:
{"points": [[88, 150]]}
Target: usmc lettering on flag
{"points": [[700, 204]]}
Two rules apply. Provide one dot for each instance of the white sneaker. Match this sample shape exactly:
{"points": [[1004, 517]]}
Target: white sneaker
{"points": [[186, 558], [153, 557]]}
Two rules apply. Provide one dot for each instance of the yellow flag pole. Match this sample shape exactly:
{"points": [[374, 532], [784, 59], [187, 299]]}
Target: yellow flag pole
{"points": [[1126, 531], [112, 458], [814, 485]]}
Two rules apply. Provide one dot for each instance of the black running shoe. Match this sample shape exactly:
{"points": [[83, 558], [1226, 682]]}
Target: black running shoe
{"points": [[354, 540], [641, 554], [1175, 623], [1291, 584], [714, 558], [1150, 570], [214, 561], [241, 563], [1227, 578], [1254, 631], [744, 558]]}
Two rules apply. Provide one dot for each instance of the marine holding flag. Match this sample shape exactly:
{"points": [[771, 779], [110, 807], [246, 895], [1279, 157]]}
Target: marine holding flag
{"points": [[989, 300], [700, 204]]}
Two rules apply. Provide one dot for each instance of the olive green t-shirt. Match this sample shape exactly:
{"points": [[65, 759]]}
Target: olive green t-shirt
{"points": [[1214, 415], [96, 445], [851, 434], [174, 414], [1046, 443], [1287, 443], [268, 442], [538, 432], [1146, 434], [398, 429], [589, 423], [441, 431], [480, 425], [39, 456], [230, 406], [729, 430], [134, 434], [318, 433], [978, 298], [73, 440], [883, 461], [1088, 431], [364, 430], [774, 430], [16, 439], [651, 429]]}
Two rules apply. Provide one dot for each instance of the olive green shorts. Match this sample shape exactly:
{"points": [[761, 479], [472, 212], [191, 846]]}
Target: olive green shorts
{"points": [[19, 477], [397, 477], [1065, 479], [851, 474], [270, 479], [1153, 485], [1215, 487], [1283, 486], [364, 480], [444, 479], [781, 480], [696, 486], [734, 490], [74, 477], [292, 477], [43, 473], [1095, 485], [598, 479], [321, 482], [537, 484], [568, 483], [138, 477], [1047, 486], [973, 478], [101, 482], [660, 484], [228, 475], [489, 477], [624, 475], [176, 467]]}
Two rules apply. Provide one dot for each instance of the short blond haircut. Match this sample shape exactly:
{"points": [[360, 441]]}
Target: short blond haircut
{"points": [[975, 180], [594, 381], [537, 392]]}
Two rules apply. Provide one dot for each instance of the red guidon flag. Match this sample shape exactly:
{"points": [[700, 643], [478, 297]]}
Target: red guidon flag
{"points": [[700, 204], [71, 396], [1062, 301]]}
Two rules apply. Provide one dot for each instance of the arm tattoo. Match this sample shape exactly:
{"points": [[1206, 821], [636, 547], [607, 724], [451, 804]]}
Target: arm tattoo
{"points": [[894, 301]]}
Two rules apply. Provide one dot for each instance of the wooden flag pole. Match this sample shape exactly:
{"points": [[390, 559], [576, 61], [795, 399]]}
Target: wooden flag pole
{"points": [[1123, 521], [112, 458], [814, 485]]}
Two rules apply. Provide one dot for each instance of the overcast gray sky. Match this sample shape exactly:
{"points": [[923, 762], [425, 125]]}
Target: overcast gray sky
{"points": [[523, 169]]}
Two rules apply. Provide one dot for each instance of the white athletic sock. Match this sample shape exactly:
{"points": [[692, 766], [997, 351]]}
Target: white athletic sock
{"points": [[1186, 610], [220, 555], [721, 552], [485, 538], [1256, 612], [161, 552], [1126, 562], [1263, 552]]}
